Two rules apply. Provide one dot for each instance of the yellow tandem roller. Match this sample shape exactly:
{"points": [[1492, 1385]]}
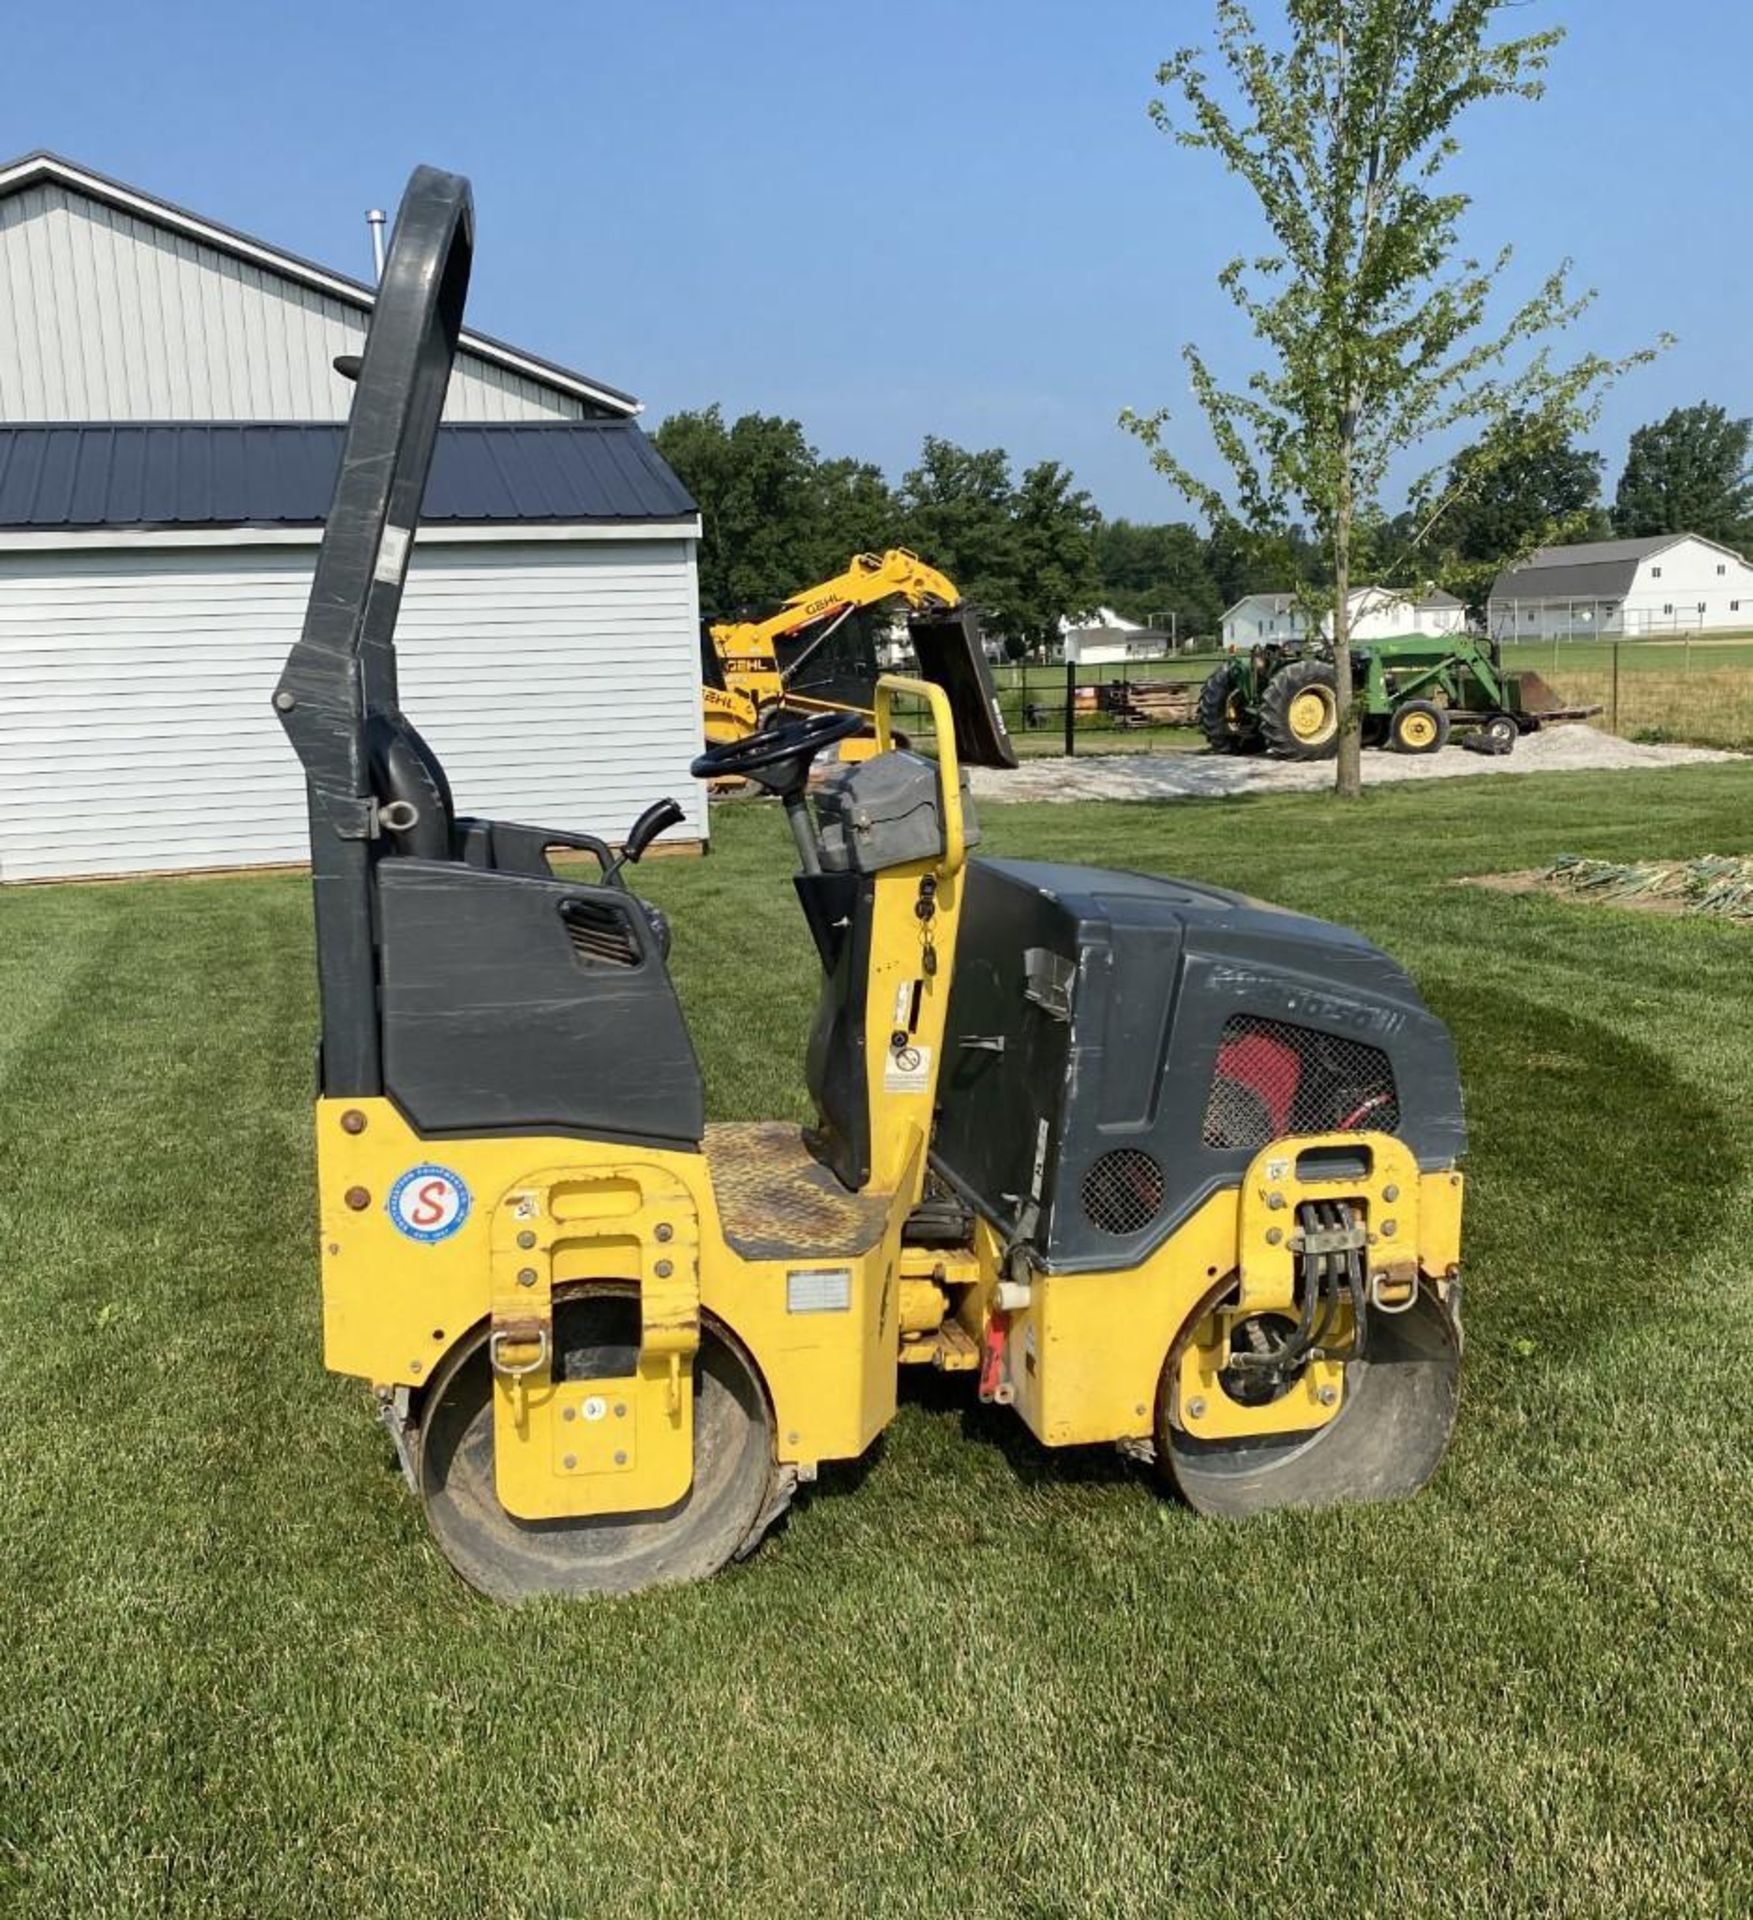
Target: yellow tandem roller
{"points": [[1154, 1165]]}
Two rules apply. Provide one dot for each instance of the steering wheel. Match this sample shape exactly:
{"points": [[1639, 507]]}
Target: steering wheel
{"points": [[791, 740]]}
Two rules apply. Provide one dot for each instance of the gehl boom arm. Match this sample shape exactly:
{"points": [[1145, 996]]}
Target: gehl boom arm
{"points": [[746, 674]]}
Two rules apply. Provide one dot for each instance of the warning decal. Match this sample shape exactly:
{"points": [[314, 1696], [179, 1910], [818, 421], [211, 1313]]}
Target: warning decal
{"points": [[907, 1069], [428, 1203]]}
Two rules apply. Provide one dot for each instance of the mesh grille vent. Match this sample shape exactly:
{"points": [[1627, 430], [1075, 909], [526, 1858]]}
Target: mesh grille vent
{"points": [[599, 934], [1123, 1191], [1275, 1079]]}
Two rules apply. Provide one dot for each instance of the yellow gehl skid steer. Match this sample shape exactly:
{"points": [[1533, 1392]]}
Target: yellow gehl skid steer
{"points": [[1153, 1164], [798, 658]]}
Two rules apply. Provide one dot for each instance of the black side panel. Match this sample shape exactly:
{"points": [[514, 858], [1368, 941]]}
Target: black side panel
{"points": [[1001, 1089], [834, 1065], [951, 655], [500, 1015], [1118, 1048]]}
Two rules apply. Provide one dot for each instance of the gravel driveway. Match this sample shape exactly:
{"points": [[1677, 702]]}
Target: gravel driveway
{"points": [[1167, 776]]}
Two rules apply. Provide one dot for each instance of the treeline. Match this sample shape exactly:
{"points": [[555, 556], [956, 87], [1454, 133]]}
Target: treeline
{"points": [[1032, 550], [776, 516]]}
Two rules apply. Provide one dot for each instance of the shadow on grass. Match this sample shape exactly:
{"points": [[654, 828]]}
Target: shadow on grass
{"points": [[1002, 1429], [1597, 1174]]}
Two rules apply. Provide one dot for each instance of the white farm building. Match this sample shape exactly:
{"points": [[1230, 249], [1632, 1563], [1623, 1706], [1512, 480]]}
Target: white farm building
{"points": [[1665, 583], [1376, 613], [169, 436], [1104, 638]]}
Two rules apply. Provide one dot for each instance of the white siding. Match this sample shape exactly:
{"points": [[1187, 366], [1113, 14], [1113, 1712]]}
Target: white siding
{"points": [[1691, 586], [105, 316], [1376, 614], [558, 681]]}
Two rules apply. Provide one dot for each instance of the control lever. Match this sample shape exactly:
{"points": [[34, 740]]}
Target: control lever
{"points": [[658, 818]]}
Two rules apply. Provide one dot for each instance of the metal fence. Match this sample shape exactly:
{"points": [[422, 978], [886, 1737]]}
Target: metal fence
{"points": [[1585, 620], [1120, 706], [1695, 690], [1691, 689]]}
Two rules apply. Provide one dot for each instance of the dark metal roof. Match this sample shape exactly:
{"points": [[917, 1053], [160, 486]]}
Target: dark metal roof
{"points": [[1585, 570], [29, 168], [249, 474]]}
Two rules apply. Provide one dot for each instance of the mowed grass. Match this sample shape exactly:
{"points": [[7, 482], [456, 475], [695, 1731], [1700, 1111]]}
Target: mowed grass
{"points": [[966, 1678]]}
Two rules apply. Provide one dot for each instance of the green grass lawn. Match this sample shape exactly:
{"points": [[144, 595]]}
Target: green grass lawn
{"points": [[966, 1678]]}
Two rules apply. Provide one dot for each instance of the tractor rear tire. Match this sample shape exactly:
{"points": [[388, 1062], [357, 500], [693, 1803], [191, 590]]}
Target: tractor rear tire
{"points": [[1224, 718], [1299, 711], [1418, 726]]}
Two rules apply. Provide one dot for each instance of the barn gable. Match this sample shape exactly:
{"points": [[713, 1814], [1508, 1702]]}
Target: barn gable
{"points": [[117, 306]]}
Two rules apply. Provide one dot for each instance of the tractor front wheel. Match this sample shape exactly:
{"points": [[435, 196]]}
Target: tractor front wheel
{"points": [[1501, 730], [1418, 726], [1299, 711]]}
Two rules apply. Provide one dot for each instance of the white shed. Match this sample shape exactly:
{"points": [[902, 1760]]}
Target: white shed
{"points": [[1662, 583], [153, 578], [169, 438]]}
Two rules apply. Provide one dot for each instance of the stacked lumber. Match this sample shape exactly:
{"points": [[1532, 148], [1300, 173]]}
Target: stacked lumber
{"points": [[1153, 703]]}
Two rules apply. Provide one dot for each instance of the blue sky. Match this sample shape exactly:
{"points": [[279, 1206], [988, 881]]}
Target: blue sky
{"points": [[886, 221]]}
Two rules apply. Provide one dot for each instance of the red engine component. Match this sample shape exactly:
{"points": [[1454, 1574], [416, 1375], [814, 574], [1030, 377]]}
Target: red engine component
{"points": [[1268, 1068]]}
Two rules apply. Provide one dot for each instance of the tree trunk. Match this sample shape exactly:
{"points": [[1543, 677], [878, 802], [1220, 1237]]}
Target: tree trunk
{"points": [[1348, 777]]}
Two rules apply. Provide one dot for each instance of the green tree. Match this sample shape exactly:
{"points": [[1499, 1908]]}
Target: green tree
{"points": [[1053, 549], [957, 506], [1023, 553], [1374, 327], [856, 511], [756, 483], [958, 512], [1541, 488], [1688, 473], [1149, 571], [1544, 491]]}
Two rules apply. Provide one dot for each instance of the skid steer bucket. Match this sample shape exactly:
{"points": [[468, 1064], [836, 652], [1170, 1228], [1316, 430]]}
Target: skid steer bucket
{"points": [[952, 655]]}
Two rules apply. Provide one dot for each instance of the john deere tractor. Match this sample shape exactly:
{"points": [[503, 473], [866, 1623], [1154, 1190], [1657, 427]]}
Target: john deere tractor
{"points": [[1413, 692]]}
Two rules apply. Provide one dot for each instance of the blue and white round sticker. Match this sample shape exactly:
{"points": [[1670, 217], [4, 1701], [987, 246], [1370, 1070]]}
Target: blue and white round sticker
{"points": [[428, 1203]]}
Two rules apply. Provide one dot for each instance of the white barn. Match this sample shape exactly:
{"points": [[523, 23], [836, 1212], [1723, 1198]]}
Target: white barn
{"points": [[1663, 583], [169, 436], [1376, 613]]}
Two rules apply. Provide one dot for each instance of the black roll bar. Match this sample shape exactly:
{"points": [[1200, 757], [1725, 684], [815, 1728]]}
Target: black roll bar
{"points": [[342, 668]]}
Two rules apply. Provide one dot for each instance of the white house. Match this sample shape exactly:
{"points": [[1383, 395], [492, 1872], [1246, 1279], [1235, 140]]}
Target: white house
{"points": [[169, 436], [1663, 583], [1376, 613], [1105, 637]]}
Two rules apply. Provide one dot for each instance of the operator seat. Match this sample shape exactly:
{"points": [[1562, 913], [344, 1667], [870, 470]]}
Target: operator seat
{"points": [[408, 778]]}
